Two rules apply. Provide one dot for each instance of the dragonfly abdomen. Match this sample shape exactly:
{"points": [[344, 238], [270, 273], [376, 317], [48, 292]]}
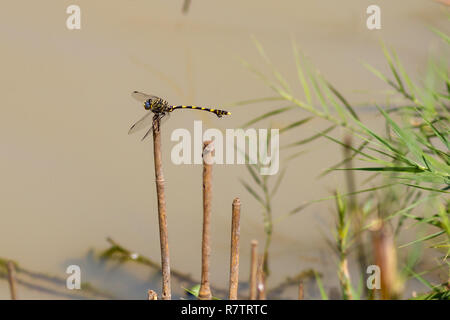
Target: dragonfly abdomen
{"points": [[217, 112]]}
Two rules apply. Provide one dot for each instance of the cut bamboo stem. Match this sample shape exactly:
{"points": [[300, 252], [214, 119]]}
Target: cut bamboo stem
{"points": [[12, 279], [253, 269], [234, 255], [301, 292], [261, 287], [162, 216], [386, 259], [205, 289], [152, 295]]}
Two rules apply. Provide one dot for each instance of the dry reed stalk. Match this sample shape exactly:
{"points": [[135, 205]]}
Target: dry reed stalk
{"points": [[234, 255], [386, 260], [12, 279], [205, 289], [261, 279], [301, 292], [152, 295], [162, 216], [253, 270]]}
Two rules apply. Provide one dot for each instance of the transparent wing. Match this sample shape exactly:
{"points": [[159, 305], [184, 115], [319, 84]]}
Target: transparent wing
{"points": [[142, 97], [145, 121]]}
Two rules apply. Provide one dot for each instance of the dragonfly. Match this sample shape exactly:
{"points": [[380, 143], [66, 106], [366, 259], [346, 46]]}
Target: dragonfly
{"points": [[160, 108]]}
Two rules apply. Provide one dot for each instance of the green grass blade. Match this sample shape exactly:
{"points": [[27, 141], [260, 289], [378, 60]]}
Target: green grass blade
{"points": [[267, 115], [301, 75], [428, 237], [343, 100], [442, 35], [323, 294], [278, 182], [392, 67], [253, 193], [296, 124], [311, 138], [389, 169], [425, 188], [350, 147], [251, 101], [275, 72]]}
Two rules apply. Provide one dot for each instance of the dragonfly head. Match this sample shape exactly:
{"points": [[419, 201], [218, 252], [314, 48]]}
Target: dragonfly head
{"points": [[147, 105]]}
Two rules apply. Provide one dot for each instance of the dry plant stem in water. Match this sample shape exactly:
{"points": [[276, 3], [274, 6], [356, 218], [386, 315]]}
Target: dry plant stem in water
{"points": [[301, 293], [253, 270], [151, 295], [205, 289], [234, 256], [162, 216], [12, 280], [261, 279], [386, 259]]}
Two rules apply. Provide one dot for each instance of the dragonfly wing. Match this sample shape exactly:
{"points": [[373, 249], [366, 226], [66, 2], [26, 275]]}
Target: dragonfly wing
{"points": [[162, 118], [142, 97], [145, 121]]}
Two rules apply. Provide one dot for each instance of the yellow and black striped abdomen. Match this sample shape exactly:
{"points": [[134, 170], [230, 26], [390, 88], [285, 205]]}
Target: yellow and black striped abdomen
{"points": [[217, 112]]}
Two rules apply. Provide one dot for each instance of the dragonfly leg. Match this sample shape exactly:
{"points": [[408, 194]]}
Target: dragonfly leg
{"points": [[155, 125]]}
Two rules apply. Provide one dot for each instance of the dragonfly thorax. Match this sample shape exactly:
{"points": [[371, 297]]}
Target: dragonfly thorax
{"points": [[157, 105]]}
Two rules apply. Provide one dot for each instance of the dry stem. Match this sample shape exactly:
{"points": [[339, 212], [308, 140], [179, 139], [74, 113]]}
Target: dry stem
{"points": [[234, 256], [12, 280], [261, 281], [253, 270], [152, 295], [162, 217], [205, 290]]}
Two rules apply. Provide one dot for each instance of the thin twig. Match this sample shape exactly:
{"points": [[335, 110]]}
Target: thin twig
{"points": [[122, 254], [162, 217], [234, 256], [292, 281], [89, 291], [205, 290], [45, 288], [253, 269], [12, 280]]}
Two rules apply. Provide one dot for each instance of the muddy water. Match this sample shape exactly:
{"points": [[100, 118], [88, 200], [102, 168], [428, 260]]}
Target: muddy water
{"points": [[71, 176]]}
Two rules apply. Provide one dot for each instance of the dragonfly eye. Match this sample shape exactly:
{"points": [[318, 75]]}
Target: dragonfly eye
{"points": [[147, 105]]}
